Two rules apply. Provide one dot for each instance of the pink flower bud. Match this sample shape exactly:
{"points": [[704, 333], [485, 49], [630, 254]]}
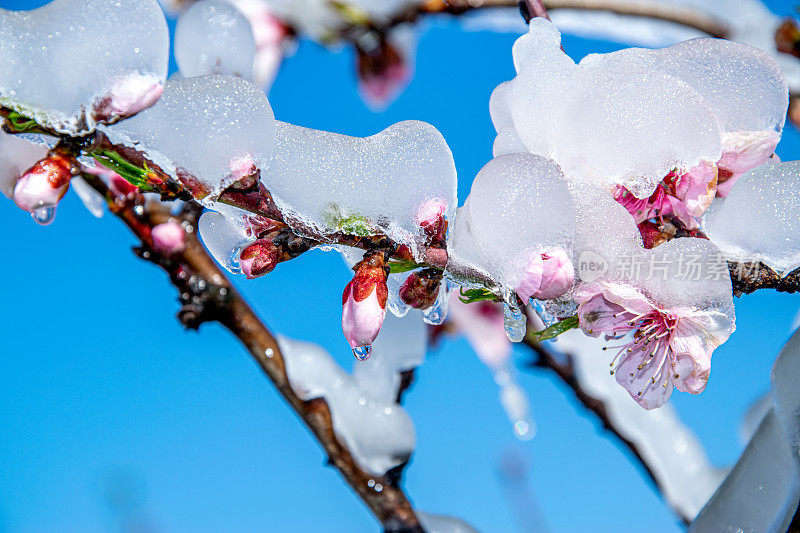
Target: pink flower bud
{"points": [[364, 304], [127, 97], [242, 167], [258, 259], [430, 217], [44, 184], [382, 72], [116, 183], [557, 276], [531, 279], [169, 238], [421, 289]]}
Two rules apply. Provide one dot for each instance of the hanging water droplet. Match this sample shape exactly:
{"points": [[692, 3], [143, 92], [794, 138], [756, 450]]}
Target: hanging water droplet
{"points": [[44, 215], [437, 313], [523, 430], [514, 321], [362, 353], [517, 407]]}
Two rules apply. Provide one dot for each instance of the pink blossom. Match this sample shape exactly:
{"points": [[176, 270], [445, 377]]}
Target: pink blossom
{"points": [[169, 238], [685, 194], [482, 325], [547, 275], [258, 259], [128, 96], [430, 217], [741, 151], [44, 184], [660, 348], [364, 303]]}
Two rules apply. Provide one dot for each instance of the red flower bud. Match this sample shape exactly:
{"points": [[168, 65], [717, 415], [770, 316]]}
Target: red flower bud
{"points": [[364, 304], [44, 184], [259, 258]]}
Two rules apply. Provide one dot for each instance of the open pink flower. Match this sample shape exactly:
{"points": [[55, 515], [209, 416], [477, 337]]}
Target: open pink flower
{"points": [[741, 151], [660, 348], [685, 194], [548, 274], [44, 184], [169, 238], [364, 304]]}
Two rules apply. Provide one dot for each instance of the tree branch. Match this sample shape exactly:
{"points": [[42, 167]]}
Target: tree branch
{"points": [[207, 295]]}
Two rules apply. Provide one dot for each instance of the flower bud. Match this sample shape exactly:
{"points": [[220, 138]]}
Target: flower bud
{"points": [[127, 97], [421, 289], [169, 238], [258, 259], [382, 71], [364, 304], [557, 275], [44, 184], [531, 279], [430, 217]]}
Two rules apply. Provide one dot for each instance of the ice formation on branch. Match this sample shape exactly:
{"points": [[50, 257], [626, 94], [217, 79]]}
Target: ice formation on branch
{"points": [[326, 183], [205, 132], [379, 433], [16, 156], [759, 220], [227, 231], [213, 37], [58, 69]]}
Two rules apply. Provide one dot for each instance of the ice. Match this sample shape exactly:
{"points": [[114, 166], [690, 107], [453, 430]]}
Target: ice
{"points": [[379, 433], [673, 453], [753, 417], [93, 200], [605, 120], [785, 393], [325, 182], [16, 156], [213, 37], [436, 314], [519, 204], [761, 492], [226, 231], [401, 346], [507, 140], [758, 219], [433, 523], [60, 61], [201, 130]]}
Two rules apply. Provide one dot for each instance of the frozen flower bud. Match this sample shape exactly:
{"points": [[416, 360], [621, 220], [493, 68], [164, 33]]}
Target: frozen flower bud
{"points": [[382, 71], [242, 167], [169, 238], [258, 259], [421, 289], [118, 185], [430, 217], [364, 304], [787, 38], [652, 234], [531, 279], [127, 97], [44, 184], [557, 274]]}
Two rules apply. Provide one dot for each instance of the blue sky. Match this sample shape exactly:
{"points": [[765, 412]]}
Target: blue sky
{"points": [[100, 387]]}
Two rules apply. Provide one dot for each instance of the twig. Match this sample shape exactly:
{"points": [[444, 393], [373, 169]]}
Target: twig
{"points": [[207, 295]]}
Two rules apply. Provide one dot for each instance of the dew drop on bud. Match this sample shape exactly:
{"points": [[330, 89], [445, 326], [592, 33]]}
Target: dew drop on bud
{"points": [[44, 215], [362, 353]]}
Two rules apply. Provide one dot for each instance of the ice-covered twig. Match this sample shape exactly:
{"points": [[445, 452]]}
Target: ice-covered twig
{"points": [[206, 295]]}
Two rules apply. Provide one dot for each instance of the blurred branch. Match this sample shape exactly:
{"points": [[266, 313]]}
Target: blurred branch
{"points": [[562, 366], [207, 295]]}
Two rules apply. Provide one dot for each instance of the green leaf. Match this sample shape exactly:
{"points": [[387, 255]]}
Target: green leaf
{"points": [[558, 328], [470, 296], [22, 123], [139, 177], [400, 266]]}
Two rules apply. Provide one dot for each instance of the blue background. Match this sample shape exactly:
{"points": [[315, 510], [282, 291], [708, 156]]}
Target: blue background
{"points": [[114, 418]]}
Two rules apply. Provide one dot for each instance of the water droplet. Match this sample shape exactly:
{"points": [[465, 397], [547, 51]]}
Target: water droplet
{"points": [[362, 353], [371, 483], [378, 487], [269, 352], [44, 215], [523, 430], [514, 321]]}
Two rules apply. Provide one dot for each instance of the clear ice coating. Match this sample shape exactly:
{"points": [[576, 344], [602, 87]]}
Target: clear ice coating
{"points": [[62, 61], [325, 182], [225, 231], [436, 314], [433, 523], [16, 156], [758, 220], [213, 37], [379, 433], [203, 132], [519, 204], [514, 321], [608, 119]]}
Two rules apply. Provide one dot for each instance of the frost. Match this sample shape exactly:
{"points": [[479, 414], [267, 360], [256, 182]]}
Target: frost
{"points": [[379, 433], [202, 130], [325, 182], [758, 220], [675, 456], [519, 204], [433, 523], [213, 37], [16, 156], [73, 63]]}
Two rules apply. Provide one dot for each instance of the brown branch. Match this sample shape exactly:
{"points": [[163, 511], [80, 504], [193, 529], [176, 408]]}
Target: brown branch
{"points": [[207, 295], [562, 366]]}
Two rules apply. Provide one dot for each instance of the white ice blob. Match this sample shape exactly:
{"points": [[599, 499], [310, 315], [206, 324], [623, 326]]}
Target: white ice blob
{"points": [[434, 523], [202, 130], [16, 156], [379, 433], [758, 220], [325, 182], [213, 37], [225, 230], [62, 61]]}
